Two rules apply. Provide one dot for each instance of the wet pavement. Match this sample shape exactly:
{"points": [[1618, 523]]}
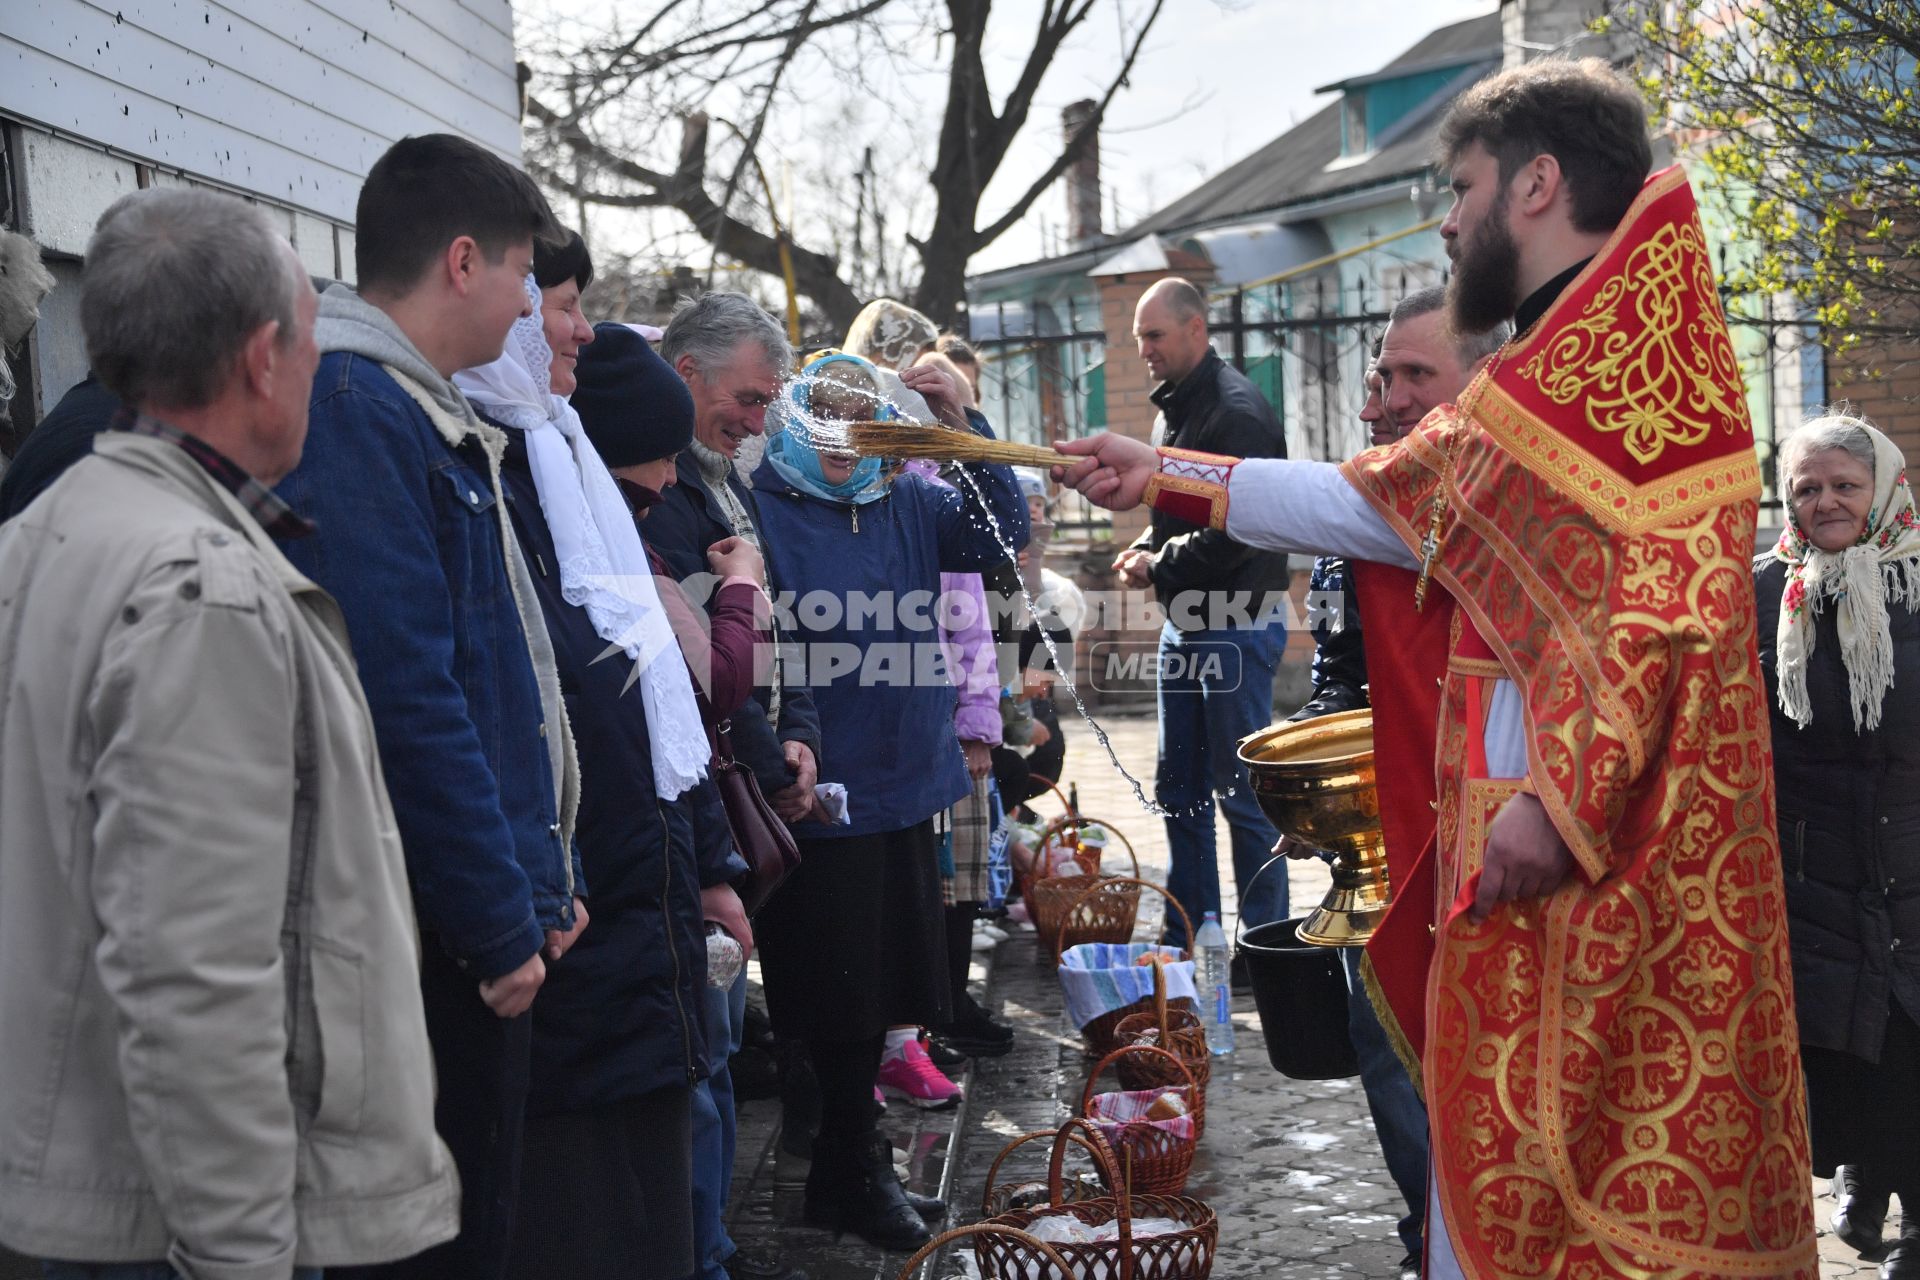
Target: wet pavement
{"points": [[1291, 1167]]}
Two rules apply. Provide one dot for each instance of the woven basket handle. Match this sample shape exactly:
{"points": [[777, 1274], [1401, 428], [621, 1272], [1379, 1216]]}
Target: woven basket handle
{"points": [[1076, 821], [1054, 787], [1100, 885], [1123, 1210], [946, 1238], [1093, 1076], [993, 1170], [1159, 963]]}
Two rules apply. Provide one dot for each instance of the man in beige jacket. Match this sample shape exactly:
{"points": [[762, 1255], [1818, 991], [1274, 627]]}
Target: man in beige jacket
{"points": [[216, 1065]]}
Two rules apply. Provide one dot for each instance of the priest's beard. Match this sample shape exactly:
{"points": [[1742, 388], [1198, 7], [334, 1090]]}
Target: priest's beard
{"points": [[1486, 275]]}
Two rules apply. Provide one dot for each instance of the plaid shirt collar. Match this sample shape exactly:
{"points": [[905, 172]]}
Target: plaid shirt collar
{"points": [[265, 506]]}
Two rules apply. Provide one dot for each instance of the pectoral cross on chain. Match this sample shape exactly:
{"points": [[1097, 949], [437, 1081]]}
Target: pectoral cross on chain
{"points": [[1429, 550]]}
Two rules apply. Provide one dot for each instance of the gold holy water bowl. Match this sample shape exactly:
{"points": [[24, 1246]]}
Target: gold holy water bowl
{"points": [[1314, 780]]}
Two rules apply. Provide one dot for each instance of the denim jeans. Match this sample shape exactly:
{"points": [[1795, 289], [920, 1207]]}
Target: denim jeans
{"points": [[1215, 688], [1399, 1117], [134, 1271], [713, 1130]]}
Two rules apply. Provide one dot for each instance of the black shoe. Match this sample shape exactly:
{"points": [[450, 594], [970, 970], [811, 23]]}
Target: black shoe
{"points": [[799, 1100], [944, 1055], [975, 1034], [1903, 1260], [755, 1075], [1410, 1267], [852, 1187], [1862, 1213], [752, 1266], [930, 1208]]}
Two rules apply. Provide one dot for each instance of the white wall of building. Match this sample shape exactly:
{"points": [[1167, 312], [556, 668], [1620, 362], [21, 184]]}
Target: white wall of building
{"points": [[288, 102]]}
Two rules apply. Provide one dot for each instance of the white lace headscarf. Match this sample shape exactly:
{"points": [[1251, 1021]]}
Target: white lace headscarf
{"points": [[603, 564]]}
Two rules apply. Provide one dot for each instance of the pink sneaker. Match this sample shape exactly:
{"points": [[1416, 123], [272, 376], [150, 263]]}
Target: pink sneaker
{"points": [[910, 1074]]}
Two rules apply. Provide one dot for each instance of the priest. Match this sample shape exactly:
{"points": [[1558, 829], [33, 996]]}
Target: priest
{"points": [[1588, 965]]}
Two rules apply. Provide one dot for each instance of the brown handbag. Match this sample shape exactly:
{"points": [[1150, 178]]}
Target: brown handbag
{"points": [[770, 851]]}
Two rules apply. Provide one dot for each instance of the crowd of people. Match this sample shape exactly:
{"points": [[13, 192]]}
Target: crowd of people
{"points": [[372, 660], [373, 897]]}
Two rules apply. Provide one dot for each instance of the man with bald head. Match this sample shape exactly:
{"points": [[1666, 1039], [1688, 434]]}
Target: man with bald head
{"points": [[1217, 650]]}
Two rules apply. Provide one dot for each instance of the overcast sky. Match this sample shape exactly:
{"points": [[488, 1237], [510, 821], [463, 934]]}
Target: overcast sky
{"points": [[1218, 79]]}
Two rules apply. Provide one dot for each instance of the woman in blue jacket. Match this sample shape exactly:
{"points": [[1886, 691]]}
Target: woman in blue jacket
{"points": [[854, 941]]}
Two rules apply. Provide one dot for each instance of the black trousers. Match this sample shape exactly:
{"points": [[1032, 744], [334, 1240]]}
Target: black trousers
{"points": [[482, 1065], [606, 1193]]}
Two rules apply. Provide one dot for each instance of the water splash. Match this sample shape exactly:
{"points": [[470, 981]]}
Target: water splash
{"points": [[829, 434], [1046, 637]]}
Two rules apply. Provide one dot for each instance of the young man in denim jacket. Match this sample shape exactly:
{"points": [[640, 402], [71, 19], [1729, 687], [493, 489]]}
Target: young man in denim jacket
{"points": [[403, 481]]}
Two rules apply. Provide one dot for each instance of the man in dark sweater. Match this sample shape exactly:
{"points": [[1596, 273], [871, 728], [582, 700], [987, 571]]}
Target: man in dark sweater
{"points": [[1224, 631]]}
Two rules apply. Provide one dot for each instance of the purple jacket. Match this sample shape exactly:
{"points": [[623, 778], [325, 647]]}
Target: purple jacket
{"points": [[967, 638]]}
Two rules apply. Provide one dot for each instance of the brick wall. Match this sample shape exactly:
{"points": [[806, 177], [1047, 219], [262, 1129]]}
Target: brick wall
{"points": [[1882, 381]]}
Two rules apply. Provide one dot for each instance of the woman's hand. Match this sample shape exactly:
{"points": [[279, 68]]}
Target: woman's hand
{"points": [[721, 905], [735, 557], [979, 758], [794, 802], [936, 388]]}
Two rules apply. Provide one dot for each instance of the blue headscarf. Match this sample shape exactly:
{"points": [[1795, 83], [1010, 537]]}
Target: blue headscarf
{"points": [[794, 457]]}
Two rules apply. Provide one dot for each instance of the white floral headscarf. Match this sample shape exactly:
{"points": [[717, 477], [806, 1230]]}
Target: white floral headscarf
{"points": [[1882, 567]]}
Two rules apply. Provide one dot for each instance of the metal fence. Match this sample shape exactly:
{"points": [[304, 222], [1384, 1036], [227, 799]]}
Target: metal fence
{"points": [[1306, 345]]}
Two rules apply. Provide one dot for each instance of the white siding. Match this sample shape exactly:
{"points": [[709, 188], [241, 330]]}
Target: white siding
{"points": [[289, 100]]}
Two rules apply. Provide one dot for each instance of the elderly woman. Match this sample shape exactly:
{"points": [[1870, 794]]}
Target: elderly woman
{"points": [[1839, 615], [617, 1041], [854, 942]]}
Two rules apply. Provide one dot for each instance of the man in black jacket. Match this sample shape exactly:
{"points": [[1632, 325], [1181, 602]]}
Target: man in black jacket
{"points": [[732, 356], [1224, 630]]}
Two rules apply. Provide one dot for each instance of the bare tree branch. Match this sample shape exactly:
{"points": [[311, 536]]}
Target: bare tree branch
{"points": [[1071, 152], [749, 151]]}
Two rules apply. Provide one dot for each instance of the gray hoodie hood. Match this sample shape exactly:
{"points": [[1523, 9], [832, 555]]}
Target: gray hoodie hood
{"points": [[350, 323]]}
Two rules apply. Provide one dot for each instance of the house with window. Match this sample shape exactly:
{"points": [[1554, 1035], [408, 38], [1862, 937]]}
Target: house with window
{"points": [[1304, 245]]}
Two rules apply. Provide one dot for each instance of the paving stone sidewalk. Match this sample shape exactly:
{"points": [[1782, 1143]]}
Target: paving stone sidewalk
{"points": [[1292, 1168]]}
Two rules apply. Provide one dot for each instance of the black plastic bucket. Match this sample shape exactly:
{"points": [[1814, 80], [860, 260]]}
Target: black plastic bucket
{"points": [[1300, 989]]}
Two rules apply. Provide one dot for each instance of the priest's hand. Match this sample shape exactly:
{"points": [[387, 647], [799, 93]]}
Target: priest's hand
{"points": [[1113, 471], [1298, 850], [1526, 858]]}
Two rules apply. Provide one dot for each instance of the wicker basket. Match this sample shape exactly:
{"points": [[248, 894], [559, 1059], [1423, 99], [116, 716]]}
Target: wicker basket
{"points": [[997, 1197], [1150, 1159], [1186, 1254], [1175, 1028], [1030, 1248], [1051, 899], [1023, 880], [1102, 1034]]}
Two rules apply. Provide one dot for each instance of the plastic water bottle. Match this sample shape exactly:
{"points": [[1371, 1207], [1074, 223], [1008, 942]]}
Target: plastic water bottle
{"points": [[725, 956], [1212, 970]]}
